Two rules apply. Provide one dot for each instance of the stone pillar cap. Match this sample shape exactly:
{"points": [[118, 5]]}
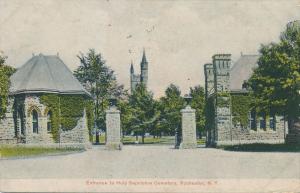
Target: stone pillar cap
{"points": [[112, 109], [188, 109]]}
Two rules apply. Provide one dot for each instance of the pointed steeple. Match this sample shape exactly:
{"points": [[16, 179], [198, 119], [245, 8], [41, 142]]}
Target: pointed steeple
{"points": [[144, 60], [131, 68]]}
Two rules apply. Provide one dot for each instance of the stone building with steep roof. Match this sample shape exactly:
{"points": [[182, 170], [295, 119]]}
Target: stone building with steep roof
{"points": [[30, 117], [230, 118]]}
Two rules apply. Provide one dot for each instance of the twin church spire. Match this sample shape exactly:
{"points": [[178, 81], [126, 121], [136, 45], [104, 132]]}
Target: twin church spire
{"points": [[144, 59], [142, 77], [131, 68]]}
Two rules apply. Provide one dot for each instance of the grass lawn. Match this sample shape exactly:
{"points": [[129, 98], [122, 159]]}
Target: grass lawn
{"points": [[148, 140], [201, 141], [262, 147], [10, 152]]}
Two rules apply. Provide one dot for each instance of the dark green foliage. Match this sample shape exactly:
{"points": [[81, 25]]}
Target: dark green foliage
{"points": [[275, 82], [223, 99], [89, 105], [223, 94], [126, 116], [68, 113], [5, 73], [241, 106], [170, 106], [100, 81], [198, 103], [209, 113], [52, 102], [143, 111], [71, 110]]}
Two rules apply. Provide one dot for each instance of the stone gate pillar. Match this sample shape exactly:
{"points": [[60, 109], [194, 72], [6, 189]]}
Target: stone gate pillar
{"points": [[113, 129], [189, 138]]}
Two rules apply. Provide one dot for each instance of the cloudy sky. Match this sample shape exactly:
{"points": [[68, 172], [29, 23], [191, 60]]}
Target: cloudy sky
{"points": [[179, 36]]}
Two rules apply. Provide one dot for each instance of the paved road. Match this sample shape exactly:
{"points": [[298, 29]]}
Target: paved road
{"points": [[155, 161]]}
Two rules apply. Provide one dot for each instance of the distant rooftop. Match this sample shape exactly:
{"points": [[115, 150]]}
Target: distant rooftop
{"points": [[45, 74], [242, 70]]}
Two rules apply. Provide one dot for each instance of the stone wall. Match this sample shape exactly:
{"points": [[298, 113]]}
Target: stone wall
{"points": [[7, 130], [10, 131], [239, 135], [32, 102], [223, 119], [80, 134]]}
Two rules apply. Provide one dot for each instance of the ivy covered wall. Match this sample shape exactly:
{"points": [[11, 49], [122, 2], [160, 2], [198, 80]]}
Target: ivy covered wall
{"points": [[241, 106], [223, 99], [69, 112]]}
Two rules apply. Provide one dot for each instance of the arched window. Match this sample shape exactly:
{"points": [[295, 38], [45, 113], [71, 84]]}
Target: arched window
{"points": [[35, 122], [49, 125]]}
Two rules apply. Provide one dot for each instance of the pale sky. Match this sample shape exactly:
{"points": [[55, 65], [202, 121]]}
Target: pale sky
{"points": [[179, 36]]}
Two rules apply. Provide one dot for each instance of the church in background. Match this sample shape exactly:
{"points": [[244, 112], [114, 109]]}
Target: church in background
{"points": [[139, 78]]}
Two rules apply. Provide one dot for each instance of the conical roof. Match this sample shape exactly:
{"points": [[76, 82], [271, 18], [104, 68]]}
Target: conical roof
{"points": [[144, 60], [45, 74], [131, 68]]}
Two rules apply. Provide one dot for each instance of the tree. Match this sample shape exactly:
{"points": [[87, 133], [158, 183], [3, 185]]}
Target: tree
{"points": [[275, 83], [143, 111], [5, 73], [170, 106], [100, 81], [126, 115], [198, 103]]}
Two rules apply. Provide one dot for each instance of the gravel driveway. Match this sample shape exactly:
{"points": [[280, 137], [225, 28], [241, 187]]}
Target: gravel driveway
{"points": [[155, 162]]}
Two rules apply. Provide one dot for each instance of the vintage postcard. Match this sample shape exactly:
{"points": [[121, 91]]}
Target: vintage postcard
{"points": [[150, 96]]}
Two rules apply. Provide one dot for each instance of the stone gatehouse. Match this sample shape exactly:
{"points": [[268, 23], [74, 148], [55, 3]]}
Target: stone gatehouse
{"points": [[31, 119], [231, 119]]}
